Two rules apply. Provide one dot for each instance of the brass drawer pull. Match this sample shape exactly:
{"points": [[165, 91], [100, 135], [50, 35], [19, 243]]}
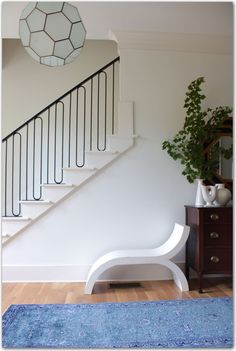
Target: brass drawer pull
{"points": [[215, 259], [214, 235], [214, 216]]}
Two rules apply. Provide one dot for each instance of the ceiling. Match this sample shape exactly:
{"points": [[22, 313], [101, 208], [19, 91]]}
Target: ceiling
{"points": [[214, 18]]}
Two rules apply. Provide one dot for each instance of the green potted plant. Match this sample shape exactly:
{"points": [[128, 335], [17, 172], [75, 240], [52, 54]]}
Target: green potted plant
{"points": [[199, 128]]}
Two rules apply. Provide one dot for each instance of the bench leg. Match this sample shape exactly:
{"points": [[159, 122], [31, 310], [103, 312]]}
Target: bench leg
{"points": [[95, 273], [178, 275]]}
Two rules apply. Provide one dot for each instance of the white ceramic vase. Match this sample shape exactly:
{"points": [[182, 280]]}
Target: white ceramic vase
{"points": [[223, 195], [199, 202], [209, 194]]}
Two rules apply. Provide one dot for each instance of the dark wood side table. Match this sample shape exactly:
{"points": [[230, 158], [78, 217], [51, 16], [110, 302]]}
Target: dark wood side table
{"points": [[209, 248]]}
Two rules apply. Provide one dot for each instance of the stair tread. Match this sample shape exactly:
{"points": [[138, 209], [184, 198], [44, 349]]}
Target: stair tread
{"points": [[80, 169], [58, 185], [41, 202], [125, 136], [16, 218], [102, 152]]}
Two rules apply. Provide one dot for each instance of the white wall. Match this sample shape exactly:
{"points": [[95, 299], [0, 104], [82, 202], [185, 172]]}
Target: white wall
{"points": [[173, 16], [28, 87], [135, 202]]}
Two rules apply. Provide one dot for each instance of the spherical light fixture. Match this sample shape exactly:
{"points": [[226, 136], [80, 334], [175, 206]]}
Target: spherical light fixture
{"points": [[52, 32]]}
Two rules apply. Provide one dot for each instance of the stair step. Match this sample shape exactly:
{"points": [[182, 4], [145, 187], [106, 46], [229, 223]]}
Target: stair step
{"points": [[100, 159], [6, 236], [14, 224], [80, 169], [56, 192], [134, 136], [77, 175], [36, 202], [102, 152], [62, 185], [15, 219], [33, 209]]}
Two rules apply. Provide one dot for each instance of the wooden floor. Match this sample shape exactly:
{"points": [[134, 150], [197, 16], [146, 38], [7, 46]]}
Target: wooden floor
{"points": [[43, 293]]}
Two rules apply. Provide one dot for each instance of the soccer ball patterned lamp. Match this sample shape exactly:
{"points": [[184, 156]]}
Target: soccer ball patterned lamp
{"points": [[52, 32]]}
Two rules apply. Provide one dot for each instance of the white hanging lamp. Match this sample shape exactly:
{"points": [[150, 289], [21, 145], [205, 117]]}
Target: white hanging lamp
{"points": [[52, 32]]}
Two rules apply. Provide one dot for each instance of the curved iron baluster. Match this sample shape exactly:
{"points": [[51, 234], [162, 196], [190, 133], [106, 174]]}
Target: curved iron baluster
{"points": [[26, 161], [91, 117], [6, 165], [13, 167], [113, 100], [41, 156], [84, 126], [48, 143], [105, 114], [69, 141], [62, 143]]}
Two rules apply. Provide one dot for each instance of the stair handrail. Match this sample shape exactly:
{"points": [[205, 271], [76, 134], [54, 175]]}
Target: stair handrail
{"points": [[61, 97]]}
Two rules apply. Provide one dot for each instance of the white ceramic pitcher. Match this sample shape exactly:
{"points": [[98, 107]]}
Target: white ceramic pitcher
{"points": [[209, 194], [223, 195]]}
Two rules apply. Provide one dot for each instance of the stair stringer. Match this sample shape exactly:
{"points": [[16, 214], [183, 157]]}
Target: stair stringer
{"points": [[96, 162]]}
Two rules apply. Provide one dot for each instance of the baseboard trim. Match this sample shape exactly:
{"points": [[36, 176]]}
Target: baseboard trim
{"points": [[79, 273]]}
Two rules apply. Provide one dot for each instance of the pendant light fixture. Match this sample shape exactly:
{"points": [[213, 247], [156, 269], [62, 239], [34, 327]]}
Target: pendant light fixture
{"points": [[52, 32]]}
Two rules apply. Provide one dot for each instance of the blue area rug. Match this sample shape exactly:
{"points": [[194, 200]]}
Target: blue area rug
{"points": [[164, 324]]}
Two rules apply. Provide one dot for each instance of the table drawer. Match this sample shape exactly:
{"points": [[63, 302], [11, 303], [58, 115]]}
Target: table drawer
{"points": [[218, 235], [217, 215], [218, 260]]}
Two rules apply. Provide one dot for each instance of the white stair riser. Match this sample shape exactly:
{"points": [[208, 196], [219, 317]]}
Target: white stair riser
{"points": [[77, 177], [55, 193], [99, 159], [34, 210], [120, 143], [13, 226]]}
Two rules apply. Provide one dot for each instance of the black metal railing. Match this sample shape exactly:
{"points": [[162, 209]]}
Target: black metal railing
{"points": [[36, 152]]}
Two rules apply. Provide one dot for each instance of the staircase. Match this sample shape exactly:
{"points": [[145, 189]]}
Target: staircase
{"points": [[61, 148]]}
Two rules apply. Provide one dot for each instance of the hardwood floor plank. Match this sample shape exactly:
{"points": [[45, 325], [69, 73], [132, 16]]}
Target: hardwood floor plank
{"points": [[42, 293]]}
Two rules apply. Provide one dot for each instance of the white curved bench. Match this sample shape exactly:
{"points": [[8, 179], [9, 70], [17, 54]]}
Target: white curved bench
{"points": [[160, 255]]}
